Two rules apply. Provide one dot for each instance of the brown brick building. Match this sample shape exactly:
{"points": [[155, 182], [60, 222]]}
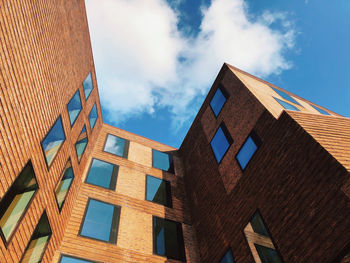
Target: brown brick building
{"points": [[252, 181]]}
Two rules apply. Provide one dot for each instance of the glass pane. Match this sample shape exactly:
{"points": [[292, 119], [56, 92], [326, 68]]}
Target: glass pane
{"points": [[320, 110], [246, 152], [228, 258], [158, 191], [267, 255], [14, 204], [286, 105], [258, 225], [219, 144], [285, 96], [53, 141], [116, 145], [217, 102], [88, 86], [66, 259], [162, 161], [93, 116], [64, 185], [80, 145], [74, 107], [103, 174]]}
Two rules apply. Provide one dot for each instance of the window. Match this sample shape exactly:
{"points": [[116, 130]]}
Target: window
{"points": [[221, 142], [102, 174], [93, 116], [81, 143], [64, 185], [320, 110], [158, 191], [287, 105], [38, 242], [117, 146], [74, 107], [53, 141], [88, 86], [101, 221], [248, 150], [285, 96], [260, 242], [68, 259], [218, 100], [227, 258], [163, 161], [168, 239], [16, 201]]}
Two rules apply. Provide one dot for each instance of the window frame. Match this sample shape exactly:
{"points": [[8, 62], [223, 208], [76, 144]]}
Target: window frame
{"points": [[125, 150], [228, 137], [284, 108], [74, 257], [293, 100], [171, 162], [169, 201], [225, 94], [81, 105], [258, 142], [318, 109]]}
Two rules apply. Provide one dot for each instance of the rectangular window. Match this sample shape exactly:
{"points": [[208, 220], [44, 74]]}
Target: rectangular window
{"points": [[286, 105], [93, 116], [101, 221], [69, 259], [74, 107], [88, 86], [38, 242], [227, 258], [286, 96], [53, 141], [218, 100], [168, 239], [163, 161], [320, 110], [248, 150], [221, 142], [158, 191], [103, 174], [117, 146], [16, 201], [81, 143], [64, 185]]}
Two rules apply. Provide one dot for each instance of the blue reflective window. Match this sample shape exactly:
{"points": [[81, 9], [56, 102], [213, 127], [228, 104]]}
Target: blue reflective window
{"points": [[248, 150], [93, 116], [320, 110], [258, 224], [221, 142], [53, 141], [81, 143], [88, 86], [64, 185], [158, 191], [101, 221], [268, 255], [228, 258], [168, 239], [286, 105], [218, 101], [67, 259], [163, 161], [117, 146], [103, 174], [74, 107], [285, 96]]}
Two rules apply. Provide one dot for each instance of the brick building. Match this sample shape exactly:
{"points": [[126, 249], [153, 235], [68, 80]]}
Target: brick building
{"points": [[262, 175]]}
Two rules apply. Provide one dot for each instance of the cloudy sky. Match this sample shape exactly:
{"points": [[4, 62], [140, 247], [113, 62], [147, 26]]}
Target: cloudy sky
{"points": [[156, 60]]}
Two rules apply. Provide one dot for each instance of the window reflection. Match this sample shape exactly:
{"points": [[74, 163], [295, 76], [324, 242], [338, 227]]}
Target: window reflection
{"points": [[103, 174], [221, 142], [285, 95], [88, 86], [163, 161], [81, 143], [74, 107], [93, 116], [248, 149], [227, 258], [67, 259], [287, 105], [320, 110], [64, 185], [117, 146], [218, 101], [158, 191]]}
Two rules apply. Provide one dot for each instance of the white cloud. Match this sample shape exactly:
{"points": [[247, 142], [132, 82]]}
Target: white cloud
{"points": [[137, 46]]}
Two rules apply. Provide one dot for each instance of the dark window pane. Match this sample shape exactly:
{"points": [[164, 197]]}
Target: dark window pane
{"points": [[88, 86], [285, 96], [258, 225], [101, 221], [163, 161], [220, 143], [74, 107], [168, 239], [267, 255], [217, 102], [117, 146], [228, 258], [53, 141], [66, 259], [286, 105], [16, 201], [320, 110], [246, 152], [81, 143], [37, 244], [103, 174], [93, 116], [64, 185], [158, 191]]}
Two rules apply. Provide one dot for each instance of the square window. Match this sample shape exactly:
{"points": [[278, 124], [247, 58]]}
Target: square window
{"points": [[248, 150], [320, 110], [74, 107], [16, 201], [117, 146], [101, 221], [221, 142], [168, 239], [81, 143], [286, 105], [64, 185], [69, 259], [228, 257], [163, 161], [286, 96], [93, 116], [88, 86], [103, 174], [53, 141], [158, 191], [218, 100]]}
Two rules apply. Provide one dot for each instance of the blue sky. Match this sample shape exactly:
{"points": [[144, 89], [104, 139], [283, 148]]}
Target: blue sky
{"points": [[156, 60]]}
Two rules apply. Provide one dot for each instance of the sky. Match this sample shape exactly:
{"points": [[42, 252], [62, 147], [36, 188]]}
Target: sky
{"points": [[155, 60]]}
